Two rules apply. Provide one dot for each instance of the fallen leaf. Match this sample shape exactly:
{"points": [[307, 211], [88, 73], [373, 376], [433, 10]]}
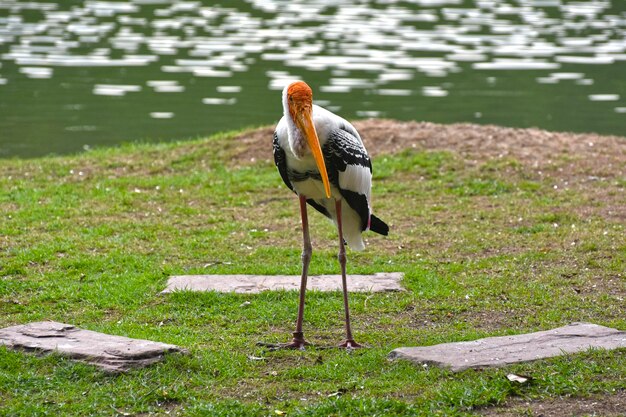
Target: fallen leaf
{"points": [[520, 379]]}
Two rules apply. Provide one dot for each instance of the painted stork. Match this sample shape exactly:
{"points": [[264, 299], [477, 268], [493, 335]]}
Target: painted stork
{"points": [[320, 156]]}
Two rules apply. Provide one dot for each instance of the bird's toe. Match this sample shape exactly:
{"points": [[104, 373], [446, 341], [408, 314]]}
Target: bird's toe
{"points": [[350, 344]]}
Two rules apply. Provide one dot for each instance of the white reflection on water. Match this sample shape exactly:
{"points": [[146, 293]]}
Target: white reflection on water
{"points": [[165, 86], [169, 89], [228, 89], [434, 91], [36, 72], [161, 115], [219, 101], [603, 97], [516, 64], [114, 89], [369, 113], [352, 37], [388, 48], [394, 92]]}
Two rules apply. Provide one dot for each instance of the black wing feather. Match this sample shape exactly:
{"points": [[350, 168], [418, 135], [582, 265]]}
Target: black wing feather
{"points": [[280, 159], [318, 207], [341, 149], [378, 226]]}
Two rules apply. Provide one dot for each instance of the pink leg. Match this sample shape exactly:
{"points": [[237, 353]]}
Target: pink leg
{"points": [[298, 341], [349, 342], [307, 250]]}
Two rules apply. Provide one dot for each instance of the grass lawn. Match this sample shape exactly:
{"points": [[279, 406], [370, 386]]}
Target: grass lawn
{"points": [[489, 246]]}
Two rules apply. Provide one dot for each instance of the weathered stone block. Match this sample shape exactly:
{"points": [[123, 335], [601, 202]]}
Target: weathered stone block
{"points": [[111, 353], [386, 281], [506, 350]]}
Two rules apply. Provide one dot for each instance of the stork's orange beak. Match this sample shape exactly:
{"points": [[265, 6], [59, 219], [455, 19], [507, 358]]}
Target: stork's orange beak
{"points": [[305, 123]]}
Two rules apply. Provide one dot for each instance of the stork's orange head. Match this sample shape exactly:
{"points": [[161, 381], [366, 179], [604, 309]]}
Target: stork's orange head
{"points": [[299, 97]]}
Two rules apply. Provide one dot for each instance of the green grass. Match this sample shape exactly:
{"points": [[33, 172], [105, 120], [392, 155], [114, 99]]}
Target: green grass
{"points": [[487, 249]]}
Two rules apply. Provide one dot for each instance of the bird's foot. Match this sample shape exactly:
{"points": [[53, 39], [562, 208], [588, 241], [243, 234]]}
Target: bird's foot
{"points": [[297, 342], [350, 344]]}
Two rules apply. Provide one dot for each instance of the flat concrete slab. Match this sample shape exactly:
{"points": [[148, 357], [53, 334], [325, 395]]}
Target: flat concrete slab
{"points": [[246, 284], [111, 353], [506, 350]]}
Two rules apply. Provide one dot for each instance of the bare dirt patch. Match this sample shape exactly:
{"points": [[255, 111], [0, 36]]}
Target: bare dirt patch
{"points": [[587, 162], [610, 405], [589, 154]]}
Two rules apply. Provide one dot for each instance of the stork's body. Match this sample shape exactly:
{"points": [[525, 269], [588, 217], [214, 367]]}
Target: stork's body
{"points": [[321, 157]]}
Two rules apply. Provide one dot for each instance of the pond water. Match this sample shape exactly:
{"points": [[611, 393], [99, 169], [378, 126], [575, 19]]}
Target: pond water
{"points": [[79, 74]]}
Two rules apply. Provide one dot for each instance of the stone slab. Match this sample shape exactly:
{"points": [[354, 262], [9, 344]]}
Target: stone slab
{"points": [[246, 284], [506, 350], [111, 353]]}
